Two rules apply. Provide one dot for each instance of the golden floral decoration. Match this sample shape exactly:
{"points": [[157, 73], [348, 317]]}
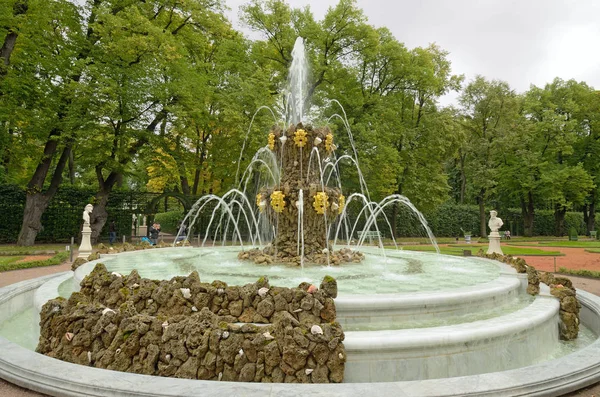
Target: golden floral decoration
{"points": [[258, 201], [271, 141], [321, 202], [300, 138], [329, 143], [341, 203], [277, 201]]}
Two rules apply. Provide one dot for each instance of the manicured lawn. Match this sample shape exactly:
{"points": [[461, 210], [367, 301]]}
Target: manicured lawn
{"points": [[8, 260], [11, 249], [457, 249], [593, 250]]}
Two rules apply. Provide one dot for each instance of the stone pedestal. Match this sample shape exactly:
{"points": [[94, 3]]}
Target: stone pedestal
{"points": [[85, 249], [494, 247]]}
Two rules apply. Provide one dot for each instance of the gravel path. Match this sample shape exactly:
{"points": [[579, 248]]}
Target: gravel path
{"points": [[575, 258]]}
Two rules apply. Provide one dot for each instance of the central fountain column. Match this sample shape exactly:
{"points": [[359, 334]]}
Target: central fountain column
{"points": [[321, 204]]}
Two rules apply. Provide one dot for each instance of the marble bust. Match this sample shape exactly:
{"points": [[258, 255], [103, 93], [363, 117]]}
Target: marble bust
{"points": [[86, 214], [495, 223]]}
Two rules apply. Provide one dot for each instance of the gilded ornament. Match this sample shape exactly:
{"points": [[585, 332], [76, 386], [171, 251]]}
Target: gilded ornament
{"points": [[329, 142], [341, 203], [277, 201], [321, 202], [300, 138], [271, 141]]}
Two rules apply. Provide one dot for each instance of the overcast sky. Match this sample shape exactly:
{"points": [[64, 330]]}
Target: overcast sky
{"points": [[522, 42]]}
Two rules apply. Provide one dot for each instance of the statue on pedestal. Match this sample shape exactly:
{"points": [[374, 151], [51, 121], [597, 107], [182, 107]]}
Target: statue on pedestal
{"points": [[85, 249], [495, 224]]}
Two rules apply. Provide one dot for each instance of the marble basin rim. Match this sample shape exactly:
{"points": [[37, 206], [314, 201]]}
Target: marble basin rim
{"points": [[37, 372]]}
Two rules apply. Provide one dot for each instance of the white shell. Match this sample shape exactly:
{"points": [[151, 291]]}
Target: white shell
{"points": [[297, 311], [262, 204], [165, 324], [241, 352], [315, 329], [89, 357], [116, 274], [69, 336], [149, 301], [263, 292], [325, 250], [118, 351], [308, 371], [334, 207], [283, 139], [194, 309], [136, 285], [186, 293], [111, 248], [220, 375], [220, 291], [268, 336], [341, 356], [296, 163], [317, 141], [168, 357], [107, 310], [225, 335]]}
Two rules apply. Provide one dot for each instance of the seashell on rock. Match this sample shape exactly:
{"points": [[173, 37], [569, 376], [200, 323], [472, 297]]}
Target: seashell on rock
{"points": [[107, 310], [312, 289], [325, 250], [225, 335], [268, 336], [317, 141], [69, 336], [316, 330], [296, 163], [220, 375], [263, 292], [241, 352], [89, 357], [117, 274], [283, 139], [165, 324], [118, 351], [135, 285], [341, 356], [297, 311], [186, 293], [168, 357], [149, 301], [220, 291], [308, 371], [334, 207], [194, 309]]}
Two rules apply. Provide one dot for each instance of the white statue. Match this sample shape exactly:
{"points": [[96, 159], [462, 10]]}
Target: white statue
{"points": [[495, 223], [86, 214], [85, 249]]}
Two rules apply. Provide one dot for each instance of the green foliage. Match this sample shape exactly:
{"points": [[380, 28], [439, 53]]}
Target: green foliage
{"points": [[55, 260], [169, 220]]}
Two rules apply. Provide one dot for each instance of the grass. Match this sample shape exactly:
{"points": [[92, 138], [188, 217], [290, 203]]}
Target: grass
{"points": [[581, 272], [457, 249], [10, 263], [11, 249], [593, 250]]}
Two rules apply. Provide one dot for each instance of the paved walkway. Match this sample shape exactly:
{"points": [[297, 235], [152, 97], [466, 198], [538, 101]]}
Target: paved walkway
{"points": [[575, 258]]}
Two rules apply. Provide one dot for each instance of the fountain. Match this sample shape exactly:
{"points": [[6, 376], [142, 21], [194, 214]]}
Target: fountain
{"points": [[419, 324]]}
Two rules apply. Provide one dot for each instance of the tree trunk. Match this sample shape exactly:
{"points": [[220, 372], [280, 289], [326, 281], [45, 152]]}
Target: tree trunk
{"points": [[35, 205], [482, 216], [463, 177], [559, 220], [37, 201], [589, 214], [99, 215], [527, 211], [19, 8]]}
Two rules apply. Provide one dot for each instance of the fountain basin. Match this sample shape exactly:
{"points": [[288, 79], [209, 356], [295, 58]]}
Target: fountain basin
{"points": [[37, 372]]}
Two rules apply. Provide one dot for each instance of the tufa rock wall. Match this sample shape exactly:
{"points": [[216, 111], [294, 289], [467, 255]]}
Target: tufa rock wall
{"points": [[187, 329], [560, 287]]}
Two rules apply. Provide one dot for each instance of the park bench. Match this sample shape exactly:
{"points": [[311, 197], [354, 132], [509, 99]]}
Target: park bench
{"points": [[370, 234]]}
